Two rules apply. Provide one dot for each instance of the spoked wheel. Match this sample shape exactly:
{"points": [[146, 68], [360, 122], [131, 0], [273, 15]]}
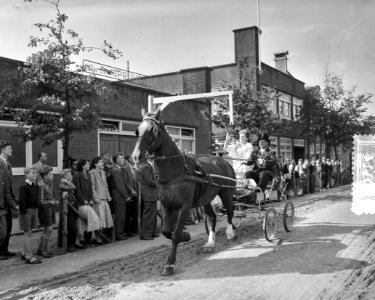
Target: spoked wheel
{"points": [[288, 216], [270, 224]]}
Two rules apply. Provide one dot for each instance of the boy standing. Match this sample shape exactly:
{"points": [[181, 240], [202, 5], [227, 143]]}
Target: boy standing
{"points": [[28, 208]]}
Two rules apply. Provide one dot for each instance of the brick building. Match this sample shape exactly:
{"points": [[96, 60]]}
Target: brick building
{"points": [[290, 90], [120, 118]]}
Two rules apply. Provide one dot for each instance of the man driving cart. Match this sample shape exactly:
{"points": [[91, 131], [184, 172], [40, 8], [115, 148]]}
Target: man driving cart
{"points": [[264, 163]]}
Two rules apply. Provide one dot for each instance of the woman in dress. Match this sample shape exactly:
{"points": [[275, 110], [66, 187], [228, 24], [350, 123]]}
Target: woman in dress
{"points": [[100, 192], [241, 150], [84, 195]]}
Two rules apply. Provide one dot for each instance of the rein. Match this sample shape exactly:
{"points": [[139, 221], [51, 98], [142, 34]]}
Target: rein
{"points": [[188, 176]]}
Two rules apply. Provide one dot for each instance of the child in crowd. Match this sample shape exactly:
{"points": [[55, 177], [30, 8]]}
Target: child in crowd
{"points": [[67, 189], [28, 217], [46, 212]]}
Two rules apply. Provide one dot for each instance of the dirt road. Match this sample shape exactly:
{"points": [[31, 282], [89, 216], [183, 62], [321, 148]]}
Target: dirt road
{"points": [[329, 255]]}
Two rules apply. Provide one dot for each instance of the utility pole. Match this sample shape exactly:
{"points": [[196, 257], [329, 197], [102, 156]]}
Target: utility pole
{"points": [[259, 33]]}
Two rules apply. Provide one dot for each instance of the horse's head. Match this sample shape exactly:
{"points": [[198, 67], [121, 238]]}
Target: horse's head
{"points": [[148, 133]]}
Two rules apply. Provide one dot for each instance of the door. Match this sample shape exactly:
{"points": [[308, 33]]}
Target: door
{"points": [[113, 143], [299, 152], [127, 144], [109, 143]]}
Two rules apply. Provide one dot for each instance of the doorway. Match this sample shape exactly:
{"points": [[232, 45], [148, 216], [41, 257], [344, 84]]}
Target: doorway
{"points": [[298, 152], [114, 143]]}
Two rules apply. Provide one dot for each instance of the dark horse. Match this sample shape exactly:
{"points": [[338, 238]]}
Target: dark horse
{"points": [[184, 182]]}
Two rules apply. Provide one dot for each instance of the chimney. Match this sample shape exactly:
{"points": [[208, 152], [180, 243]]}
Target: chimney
{"points": [[281, 61], [246, 48]]}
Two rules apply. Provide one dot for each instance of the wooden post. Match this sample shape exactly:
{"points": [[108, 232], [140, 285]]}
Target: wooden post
{"points": [[139, 209], [150, 104], [113, 230], [64, 221]]}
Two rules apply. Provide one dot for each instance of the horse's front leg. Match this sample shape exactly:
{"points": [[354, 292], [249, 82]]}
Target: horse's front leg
{"points": [[169, 220], [210, 225], [178, 236]]}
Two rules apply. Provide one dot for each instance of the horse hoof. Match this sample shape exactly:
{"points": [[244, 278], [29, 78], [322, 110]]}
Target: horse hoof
{"points": [[207, 249], [185, 236], [167, 270], [167, 234]]}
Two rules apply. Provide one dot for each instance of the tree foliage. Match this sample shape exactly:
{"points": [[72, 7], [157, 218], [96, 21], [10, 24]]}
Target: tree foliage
{"points": [[335, 114], [252, 110], [49, 95]]}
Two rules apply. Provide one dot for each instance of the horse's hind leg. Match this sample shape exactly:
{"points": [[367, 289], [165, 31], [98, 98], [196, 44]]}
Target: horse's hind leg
{"points": [[226, 196], [211, 225]]}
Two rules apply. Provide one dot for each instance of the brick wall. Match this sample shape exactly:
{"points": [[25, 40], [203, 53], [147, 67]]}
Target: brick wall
{"points": [[224, 76], [283, 82], [246, 49], [169, 82]]}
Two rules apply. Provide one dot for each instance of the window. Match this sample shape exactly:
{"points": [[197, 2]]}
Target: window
{"points": [[273, 145], [50, 150], [297, 105], [285, 106], [272, 96], [25, 154], [323, 148], [110, 126], [184, 138], [286, 148], [299, 142], [312, 149], [18, 159]]}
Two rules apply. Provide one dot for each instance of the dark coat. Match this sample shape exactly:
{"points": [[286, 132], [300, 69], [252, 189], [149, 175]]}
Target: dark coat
{"points": [[119, 185], [147, 181], [6, 199], [9, 177], [83, 190], [269, 160]]}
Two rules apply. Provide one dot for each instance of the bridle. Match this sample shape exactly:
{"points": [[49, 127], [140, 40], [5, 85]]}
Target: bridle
{"points": [[159, 125]]}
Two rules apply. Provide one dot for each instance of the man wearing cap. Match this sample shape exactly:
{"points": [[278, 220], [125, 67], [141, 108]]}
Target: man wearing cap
{"points": [[7, 198], [264, 162]]}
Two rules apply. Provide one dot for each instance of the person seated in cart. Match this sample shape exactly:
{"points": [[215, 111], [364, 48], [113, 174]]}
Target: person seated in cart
{"points": [[264, 163], [239, 151]]}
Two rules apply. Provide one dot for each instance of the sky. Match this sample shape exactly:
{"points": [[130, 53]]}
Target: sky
{"points": [[160, 36]]}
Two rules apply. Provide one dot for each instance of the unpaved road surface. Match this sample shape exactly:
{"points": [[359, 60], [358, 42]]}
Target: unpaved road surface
{"points": [[330, 254]]}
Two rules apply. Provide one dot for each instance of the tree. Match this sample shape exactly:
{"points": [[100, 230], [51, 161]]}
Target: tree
{"points": [[49, 96], [310, 115], [336, 114], [252, 110]]}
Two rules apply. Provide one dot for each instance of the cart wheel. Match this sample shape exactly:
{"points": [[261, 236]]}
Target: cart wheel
{"points": [[288, 216], [236, 222], [270, 224]]}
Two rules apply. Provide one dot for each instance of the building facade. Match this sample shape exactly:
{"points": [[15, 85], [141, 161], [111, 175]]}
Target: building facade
{"points": [[184, 121], [289, 143]]}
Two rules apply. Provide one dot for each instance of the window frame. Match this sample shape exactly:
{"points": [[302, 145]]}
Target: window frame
{"points": [[183, 137], [29, 152]]}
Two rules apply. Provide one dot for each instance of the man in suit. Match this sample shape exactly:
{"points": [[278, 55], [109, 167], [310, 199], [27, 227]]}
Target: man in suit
{"points": [[324, 173], [149, 195], [120, 195], [131, 206], [264, 162], [40, 165], [7, 196]]}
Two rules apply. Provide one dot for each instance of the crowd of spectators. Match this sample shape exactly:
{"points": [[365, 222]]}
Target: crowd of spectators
{"points": [[98, 202], [314, 175]]}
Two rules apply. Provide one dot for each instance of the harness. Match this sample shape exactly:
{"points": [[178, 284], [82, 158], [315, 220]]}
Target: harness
{"points": [[198, 176]]}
